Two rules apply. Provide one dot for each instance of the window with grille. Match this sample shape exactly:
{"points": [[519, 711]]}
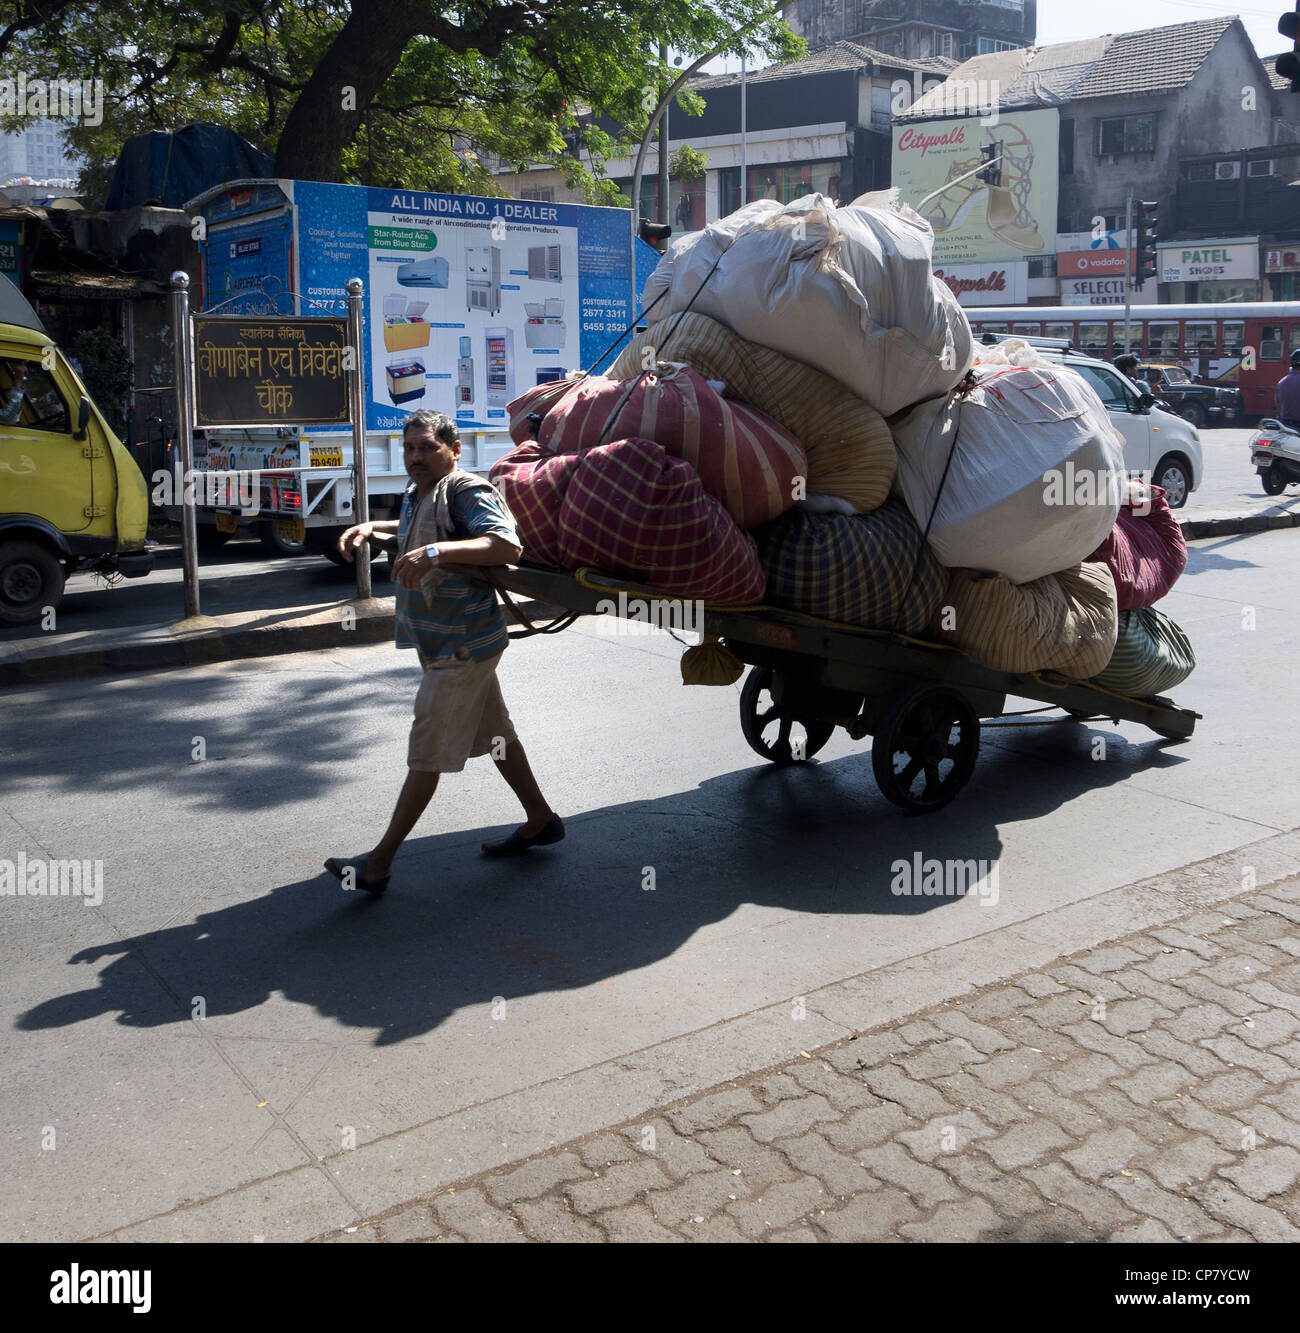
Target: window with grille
{"points": [[1127, 134]]}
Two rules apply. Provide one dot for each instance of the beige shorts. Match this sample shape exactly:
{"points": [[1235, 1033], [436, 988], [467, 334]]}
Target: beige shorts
{"points": [[459, 713]]}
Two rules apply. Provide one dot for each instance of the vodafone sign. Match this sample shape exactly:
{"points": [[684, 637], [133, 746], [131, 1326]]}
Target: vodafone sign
{"points": [[1092, 264]]}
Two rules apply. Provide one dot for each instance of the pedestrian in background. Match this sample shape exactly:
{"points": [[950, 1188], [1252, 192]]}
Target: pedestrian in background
{"points": [[1288, 394]]}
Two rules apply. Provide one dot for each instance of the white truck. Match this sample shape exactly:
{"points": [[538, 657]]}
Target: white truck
{"points": [[468, 302]]}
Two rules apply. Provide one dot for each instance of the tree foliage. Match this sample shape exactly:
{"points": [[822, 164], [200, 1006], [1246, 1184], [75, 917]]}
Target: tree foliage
{"points": [[422, 94]]}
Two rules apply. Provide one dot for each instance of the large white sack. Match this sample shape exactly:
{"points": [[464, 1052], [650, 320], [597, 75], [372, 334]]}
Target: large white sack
{"points": [[1036, 478], [848, 290]]}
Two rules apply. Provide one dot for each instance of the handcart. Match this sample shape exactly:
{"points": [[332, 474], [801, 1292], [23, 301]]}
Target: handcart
{"points": [[920, 701]]}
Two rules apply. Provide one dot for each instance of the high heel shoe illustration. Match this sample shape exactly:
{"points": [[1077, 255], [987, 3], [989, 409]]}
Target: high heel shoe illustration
{"points": [[950, 206], [1009, 218]]}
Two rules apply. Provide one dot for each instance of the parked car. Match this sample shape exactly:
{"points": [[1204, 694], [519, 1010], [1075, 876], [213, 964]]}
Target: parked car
{"points": [[1201, 404]]}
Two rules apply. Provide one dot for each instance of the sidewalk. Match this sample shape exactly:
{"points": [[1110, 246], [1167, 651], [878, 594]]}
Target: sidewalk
{"points": [[1146, 1090], [342, 623]]}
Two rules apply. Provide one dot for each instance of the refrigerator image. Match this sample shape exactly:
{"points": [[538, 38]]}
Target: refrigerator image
{"points": [[544, 263], [431, 272], [404, 324], [549, 374], [483, 278], [500, 366], [545, 326], [405, 377], [465, 374]]}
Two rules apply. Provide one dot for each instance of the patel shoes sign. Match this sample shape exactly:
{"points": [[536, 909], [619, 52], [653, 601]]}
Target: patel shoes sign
{"points": [[1009, 217], [1200, 261], [987, 284]]}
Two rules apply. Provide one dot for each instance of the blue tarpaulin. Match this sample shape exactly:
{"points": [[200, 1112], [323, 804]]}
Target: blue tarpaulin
{"points": [[169, 169]]}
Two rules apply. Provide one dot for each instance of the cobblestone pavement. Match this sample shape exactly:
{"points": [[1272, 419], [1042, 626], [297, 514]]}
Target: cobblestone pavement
{"points": [[1144, 1090]]}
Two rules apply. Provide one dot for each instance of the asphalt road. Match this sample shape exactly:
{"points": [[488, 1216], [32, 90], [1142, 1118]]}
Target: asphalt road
{"points": [[232, 1047]]}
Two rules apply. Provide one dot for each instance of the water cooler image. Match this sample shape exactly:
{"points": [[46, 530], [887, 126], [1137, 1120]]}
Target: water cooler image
{"points": [[465, 375], [500, 366], [483, 278]]}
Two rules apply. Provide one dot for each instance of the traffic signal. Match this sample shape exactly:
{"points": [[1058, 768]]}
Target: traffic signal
{"points": [[1288, 63], [991, 153], [1146, 243]]}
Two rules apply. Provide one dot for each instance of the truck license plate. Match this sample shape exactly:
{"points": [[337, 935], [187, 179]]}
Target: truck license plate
{"points": [[290, 529], [326, 457]]}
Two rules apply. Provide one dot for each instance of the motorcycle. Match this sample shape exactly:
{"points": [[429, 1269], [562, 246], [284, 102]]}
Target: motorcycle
{"points": [[1275, 452]]}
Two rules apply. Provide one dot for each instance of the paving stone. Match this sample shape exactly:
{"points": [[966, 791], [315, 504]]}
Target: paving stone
{"points": [[865, 1052], [1130, 1016], [1072, 1114], [677, 1155], [1199, 1022], [941, 1058], [1185, 1219], [1101, 1211], [1153, 1083], [868, 1127], [1286, 891], [980, 1035], [892, 1084], [1117, 956], [1268, 994], [1269, 956], [550, 1220], [469, 1212], [1165, 1046], [1174, 965], [1179, 939], [789, 1118], [535, 1178], [843, 1091], [1285, 1099], [1228, 1131], [1038, 984], [1124, 1051], [1271, 902], [1269, 1123], [634, 1225], [919, 1031], [1206, 923], [1012, 1196], [873, 1216], [1236, 1088], [1162, 992], [1237, 1001], [778, 1087], [705, 1193], [1265, 1172], [716, 1230], [994, 1105], [410, 1224], [366, 1234], [1116, 1106], [964, 1221], [1010, 1068], [840, 1174], [1273, 1027], [1051, 1226], [992, 1005], [1286, 978], [615, 1186], [1264, 928], [1222, 1200], [1232, 969], [1026, 1143], [779, 1206], [1108, 988], [1105, 1152], [801, 1234], [945, 1134], [1083, 1074], [605, 1150], [1187, 1162], [1232, 1050], [1023, 1032], [894, 1165], [758, 1164], [1147, 1232], [1058, 1011], [714, 1111]]}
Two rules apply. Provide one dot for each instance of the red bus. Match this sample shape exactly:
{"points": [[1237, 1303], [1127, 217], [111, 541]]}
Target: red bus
{"points": [[1211, 342]]}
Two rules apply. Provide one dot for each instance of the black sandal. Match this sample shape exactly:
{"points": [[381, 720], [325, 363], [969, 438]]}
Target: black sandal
{"points": [[340, 870], [518, 843]]}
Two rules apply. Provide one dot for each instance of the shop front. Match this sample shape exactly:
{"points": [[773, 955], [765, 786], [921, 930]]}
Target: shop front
{"points": [[1209, 272]]}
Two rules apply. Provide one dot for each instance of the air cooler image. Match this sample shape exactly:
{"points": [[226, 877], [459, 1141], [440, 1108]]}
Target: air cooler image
{"points": [[544, 263], [404, 324], [500, 366], [545, 327], [483, 278], [405, 376], [465, 375], [431, 272]]}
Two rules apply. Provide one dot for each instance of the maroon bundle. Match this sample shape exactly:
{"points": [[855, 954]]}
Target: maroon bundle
{"points": [[1145, 552]]}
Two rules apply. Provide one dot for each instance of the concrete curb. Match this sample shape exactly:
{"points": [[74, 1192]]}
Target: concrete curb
{"points": [[267, 633]]}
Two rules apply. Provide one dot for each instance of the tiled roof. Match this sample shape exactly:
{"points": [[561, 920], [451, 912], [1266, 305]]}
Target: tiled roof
{"points": [[1155, 60], [838, 55], [1278, 82]]}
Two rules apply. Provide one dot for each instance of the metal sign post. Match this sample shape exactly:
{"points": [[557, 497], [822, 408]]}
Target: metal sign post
{"points": [[361, 499], [184, 429], [1129, 268]]}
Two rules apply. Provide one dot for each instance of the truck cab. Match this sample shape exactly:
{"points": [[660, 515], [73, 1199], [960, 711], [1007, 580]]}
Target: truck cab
{"points": [[70, 493]]}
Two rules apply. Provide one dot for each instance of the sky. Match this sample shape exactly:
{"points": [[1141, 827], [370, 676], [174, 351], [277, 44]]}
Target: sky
{"points": [[1068, 20]]}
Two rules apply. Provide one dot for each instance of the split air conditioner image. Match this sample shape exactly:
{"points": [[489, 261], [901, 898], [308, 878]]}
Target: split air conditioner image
{"points": [[500, 366], [406, 378], [483, 278], [404, 324], [545, 326], [431, 272], [544, 263]]}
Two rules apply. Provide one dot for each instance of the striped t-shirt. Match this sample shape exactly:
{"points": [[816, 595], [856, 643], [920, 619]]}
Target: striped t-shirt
{"points": [[462, 619]]}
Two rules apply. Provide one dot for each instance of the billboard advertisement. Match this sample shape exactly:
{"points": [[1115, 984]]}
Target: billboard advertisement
{"points": [[986, 284], [977, 222]]}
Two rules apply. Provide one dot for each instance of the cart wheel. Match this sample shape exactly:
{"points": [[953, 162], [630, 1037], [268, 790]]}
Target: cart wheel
{"points": [[924, 748], [759, 713]]}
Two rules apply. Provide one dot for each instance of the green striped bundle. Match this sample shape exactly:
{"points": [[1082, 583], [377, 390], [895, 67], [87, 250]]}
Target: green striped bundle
{"points": [[1151, 655]]}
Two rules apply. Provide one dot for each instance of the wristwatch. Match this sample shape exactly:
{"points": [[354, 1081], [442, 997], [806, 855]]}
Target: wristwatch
{"points": [[431, 551]]}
